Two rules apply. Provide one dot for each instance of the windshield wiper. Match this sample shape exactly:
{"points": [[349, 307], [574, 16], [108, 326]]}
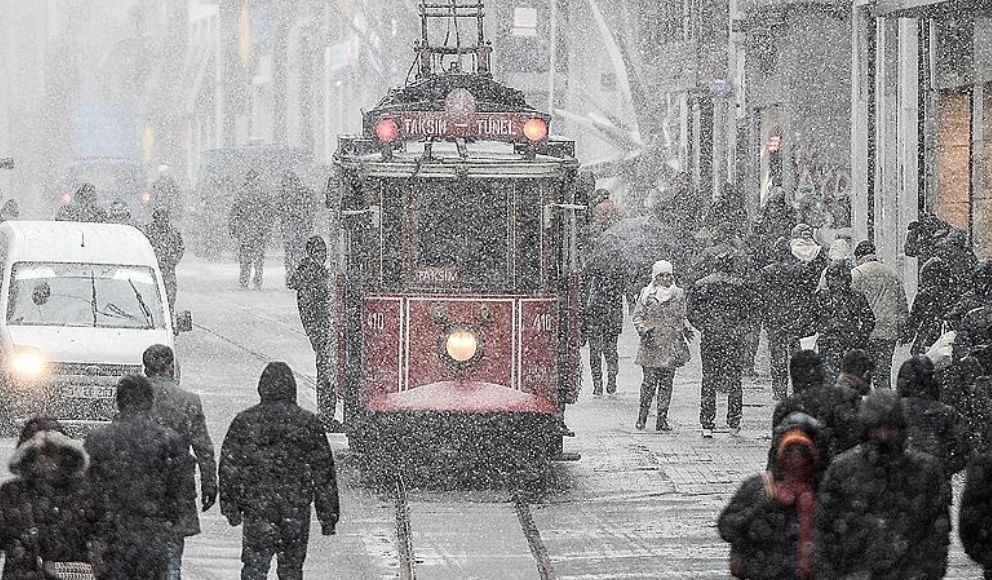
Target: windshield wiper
{"points": [[93, 303], [141, 302]]}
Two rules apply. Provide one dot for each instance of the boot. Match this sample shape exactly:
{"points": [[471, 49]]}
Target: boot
{"points": [[611, 384], [642, 419], [597, 385], [662, 424]]}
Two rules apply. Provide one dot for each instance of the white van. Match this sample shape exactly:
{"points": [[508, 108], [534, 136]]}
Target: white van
{"points": [[80, 303]]}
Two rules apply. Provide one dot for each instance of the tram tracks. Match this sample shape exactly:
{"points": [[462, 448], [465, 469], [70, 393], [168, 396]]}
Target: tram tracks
{"points": [[405, 534]]}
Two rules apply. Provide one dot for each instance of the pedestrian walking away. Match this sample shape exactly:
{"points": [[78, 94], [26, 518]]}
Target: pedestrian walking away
{"points": [[884, 509], [842, 317], [602, 313], [834, 407], [718, 306], [770, 521], [274, 463], [250, 224], [169, 248], [312, 282], [660, 320], [297, 211], [137, 466], [932, 306], [182, 412], [781, 294], [83, 207], [887, 297], [52, 520]]}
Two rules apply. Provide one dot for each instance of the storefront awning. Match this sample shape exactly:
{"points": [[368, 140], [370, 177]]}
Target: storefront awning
{"points": [[926, 8]]}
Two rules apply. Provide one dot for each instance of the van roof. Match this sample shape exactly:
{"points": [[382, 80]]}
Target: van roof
{"points": [[76, 242]]}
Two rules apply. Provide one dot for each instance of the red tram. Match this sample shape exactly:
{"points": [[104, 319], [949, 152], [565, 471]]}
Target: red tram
{"points": [[458, 285]]}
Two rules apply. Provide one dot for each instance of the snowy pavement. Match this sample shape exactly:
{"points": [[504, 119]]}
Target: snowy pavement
{"points": [[637, 504]]}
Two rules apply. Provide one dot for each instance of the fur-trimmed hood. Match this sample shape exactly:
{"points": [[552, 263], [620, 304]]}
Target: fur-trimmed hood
{"points": [[72, 459]]}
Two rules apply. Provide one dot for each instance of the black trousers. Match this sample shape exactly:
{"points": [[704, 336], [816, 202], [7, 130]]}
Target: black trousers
{"points": [[251, 253], [781, 346], [327, 396], [603, 345], [721, 360], [286, 540], [140, 549], [656, 380], [881, 352]]}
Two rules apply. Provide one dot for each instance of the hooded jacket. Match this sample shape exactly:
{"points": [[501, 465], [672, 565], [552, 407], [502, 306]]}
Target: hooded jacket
{"points": [[933, 427], [834, 406], [312, 282], [61, 504], [884, 510], [886, 296], [275, 460], [764, 531]]}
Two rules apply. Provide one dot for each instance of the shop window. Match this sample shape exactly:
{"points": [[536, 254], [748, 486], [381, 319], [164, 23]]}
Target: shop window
{"points": [[954, 159]]}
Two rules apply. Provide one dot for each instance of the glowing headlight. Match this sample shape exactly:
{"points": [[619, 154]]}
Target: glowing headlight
{"points": [[27, 363], [461, 345]]}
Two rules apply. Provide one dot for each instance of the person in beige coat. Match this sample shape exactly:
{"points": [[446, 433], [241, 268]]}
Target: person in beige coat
{"points": [[660, 320], [887, 297]]}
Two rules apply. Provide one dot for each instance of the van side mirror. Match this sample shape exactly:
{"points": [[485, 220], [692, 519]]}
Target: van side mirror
{"points": [[184, 321]]}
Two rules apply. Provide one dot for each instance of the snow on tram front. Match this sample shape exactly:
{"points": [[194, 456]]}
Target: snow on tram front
{"points": [[458, 286]]}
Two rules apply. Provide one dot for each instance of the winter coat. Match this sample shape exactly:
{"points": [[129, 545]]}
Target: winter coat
{"points": [[834, 406], [975, 515], [807, 277], [136, 464], [763, 532], [965, 304], [976, 406], [705, 263], [934, 428], [77, 212], [65, 509], [602, 306], [297, 210], [312, 282], [719, 305], [782, 298], [886, 296], [661, 326], [975, 330], [168, 245], [182, 412], [275, 461], [843, 318], [931, 307], [883, 513], [251, 221]]}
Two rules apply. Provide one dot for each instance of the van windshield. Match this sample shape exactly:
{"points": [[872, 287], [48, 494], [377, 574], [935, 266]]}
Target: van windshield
{"points": [[81, 295]]}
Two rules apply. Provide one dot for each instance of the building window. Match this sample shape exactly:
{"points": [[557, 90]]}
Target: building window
{"points": [[954, 158], [524, 21]]}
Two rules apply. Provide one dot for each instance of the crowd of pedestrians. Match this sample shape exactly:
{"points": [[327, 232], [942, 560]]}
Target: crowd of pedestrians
{"points": [[120, 504]]}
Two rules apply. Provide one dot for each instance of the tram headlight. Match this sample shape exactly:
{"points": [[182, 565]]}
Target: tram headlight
{"points": [[536, 130], [461, 345], [386, 130]]}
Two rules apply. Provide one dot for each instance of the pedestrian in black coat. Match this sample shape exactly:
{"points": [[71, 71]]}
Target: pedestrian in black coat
{"points": [[843, 318], [883, 509], [932, 305], [137, 465], [975, 515], [182, 412], [275, 462], [933, 427], [83, 208], [49, 510], [719, 306], [169, 249], [602, 312], [782, 297], [312, 282], [250, 223], [835, 407], [770, 521], [297, 210]]}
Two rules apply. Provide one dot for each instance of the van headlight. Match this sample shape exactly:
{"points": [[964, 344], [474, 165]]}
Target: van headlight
{"points": [[462, 346], [27, 363]]}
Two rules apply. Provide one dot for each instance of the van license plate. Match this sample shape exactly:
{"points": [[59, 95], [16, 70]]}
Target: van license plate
{"points": [[88, 392]]}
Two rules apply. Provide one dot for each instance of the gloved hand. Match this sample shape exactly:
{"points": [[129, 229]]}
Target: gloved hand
{"points": [[328, 528], [208, 496], [233, 517]]}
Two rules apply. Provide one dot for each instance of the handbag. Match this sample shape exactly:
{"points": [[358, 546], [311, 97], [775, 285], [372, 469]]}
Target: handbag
{"points": [[941, 354], [682, 353], [55, 570]]}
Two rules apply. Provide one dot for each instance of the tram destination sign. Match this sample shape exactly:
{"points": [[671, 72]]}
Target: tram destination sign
{"points": [[508, 127]]}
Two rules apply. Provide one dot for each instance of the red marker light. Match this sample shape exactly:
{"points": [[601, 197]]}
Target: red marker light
{"points": [[66, 198], [146, 198], [387, 130], [536, 130]]}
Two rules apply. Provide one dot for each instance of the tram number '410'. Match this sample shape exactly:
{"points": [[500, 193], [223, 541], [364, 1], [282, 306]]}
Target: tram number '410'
{"points": [[543, 323], [376, 320]]}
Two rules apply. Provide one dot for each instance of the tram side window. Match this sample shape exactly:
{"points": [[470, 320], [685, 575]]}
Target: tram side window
{"points": [[463, 236], [392, 234], [529, 225]]}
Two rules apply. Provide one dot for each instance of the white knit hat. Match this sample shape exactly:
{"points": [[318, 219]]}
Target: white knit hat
{"points": [[662, 267]]}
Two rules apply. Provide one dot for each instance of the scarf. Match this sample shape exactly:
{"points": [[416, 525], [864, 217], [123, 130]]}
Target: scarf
{"points": [[804, 250], [801, 495], [660, 293]]}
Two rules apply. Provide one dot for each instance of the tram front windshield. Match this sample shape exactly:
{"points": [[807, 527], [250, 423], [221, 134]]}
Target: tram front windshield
{"points": [[463, 235]]}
